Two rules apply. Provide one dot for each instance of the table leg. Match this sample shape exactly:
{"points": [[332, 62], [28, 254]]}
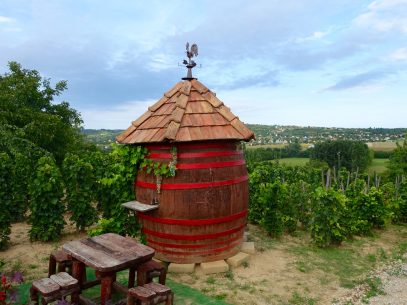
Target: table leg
{"points": [[106, 282], [78, 269]]}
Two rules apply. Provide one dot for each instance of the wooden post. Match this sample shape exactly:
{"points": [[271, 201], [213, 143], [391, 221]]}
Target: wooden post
{"points": [[78, 269], [107, 280]]}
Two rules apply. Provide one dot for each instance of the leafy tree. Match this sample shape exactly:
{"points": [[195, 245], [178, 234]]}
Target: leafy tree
{"points": [[46, 191], [398, 160], [28, 110], [79, 185], [352, 155], [5, 199]]}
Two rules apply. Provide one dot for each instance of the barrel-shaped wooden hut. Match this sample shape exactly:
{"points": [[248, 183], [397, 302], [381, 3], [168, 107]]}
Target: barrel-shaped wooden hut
{"points": [[202, 210]]}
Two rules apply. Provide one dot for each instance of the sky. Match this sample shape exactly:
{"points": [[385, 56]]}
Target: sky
{"points": [[337, 63]]}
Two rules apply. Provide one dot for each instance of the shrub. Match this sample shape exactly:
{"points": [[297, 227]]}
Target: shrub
{"points": [[79, 184], [402, 202], [21, 176], [46, 191], [5, 199], [273, 200], [328, 222]]}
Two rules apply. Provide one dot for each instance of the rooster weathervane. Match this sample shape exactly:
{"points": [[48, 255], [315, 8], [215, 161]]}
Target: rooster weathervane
{"points": [[191, 52]]}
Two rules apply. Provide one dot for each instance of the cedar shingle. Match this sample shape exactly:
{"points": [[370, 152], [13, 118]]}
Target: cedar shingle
{"points": [[187, 112], [158, 104], [159, 136], [186, 88], [212, 99], [226, 113], [153, 122], [172, 129], [199, 107], [242, 129], [165, 109], [177, 115], [203, 119], [141, 119], [126, 133], [182, 101], [184, 135], [173, 90], [199, 86], [195, 96]]}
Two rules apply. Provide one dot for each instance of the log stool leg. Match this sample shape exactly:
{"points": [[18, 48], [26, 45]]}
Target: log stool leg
{"points": [[163, 293], [132, 276], [34, 296], [141, 296], [61, 259], [147, 271], [52, 266]]}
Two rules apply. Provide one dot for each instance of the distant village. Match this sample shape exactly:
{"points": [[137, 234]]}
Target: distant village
{"points": [[277, 134], [283, 135]]}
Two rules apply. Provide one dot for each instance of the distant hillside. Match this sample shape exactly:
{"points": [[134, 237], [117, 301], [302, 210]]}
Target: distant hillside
{"points": [[276, 134], [103, 138]]}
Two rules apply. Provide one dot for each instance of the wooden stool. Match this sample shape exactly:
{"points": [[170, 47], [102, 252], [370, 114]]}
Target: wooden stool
{"points": [[147, 271], [61, 258], [150, 294], [51, 289], [163, 293]]}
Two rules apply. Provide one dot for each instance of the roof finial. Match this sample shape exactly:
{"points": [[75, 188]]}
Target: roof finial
{"points": [[190, 63]]}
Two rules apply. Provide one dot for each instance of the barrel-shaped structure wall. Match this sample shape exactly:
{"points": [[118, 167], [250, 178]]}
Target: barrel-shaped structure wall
{"points": [[203, 209]]}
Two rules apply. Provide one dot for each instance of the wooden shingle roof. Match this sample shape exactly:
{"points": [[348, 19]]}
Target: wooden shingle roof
{"points": [[187, 112]]}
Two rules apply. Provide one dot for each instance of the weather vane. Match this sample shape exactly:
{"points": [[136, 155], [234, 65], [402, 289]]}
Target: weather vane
{"points": [[191, 52]]}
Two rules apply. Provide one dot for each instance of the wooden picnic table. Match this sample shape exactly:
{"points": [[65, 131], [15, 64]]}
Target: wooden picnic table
{"points": [[106, 254]]}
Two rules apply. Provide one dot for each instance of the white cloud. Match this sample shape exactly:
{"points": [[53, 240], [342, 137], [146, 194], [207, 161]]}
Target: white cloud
{"points": [[384, 16], [4, 19], [399, 54], [119, 117]]}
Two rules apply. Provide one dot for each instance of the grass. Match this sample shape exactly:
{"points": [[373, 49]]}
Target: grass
{"points": [[298, 299], [382, 146], [294, 161], [184, 295], [378, 165], [345, 263]]}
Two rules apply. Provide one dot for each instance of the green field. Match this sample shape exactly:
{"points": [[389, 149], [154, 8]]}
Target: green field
{"points": [[294, 161], [378, 165], [382, 146]]}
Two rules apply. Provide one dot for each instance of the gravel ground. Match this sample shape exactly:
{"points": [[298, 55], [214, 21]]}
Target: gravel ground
{"points": [[391, 291], [395, 288]]}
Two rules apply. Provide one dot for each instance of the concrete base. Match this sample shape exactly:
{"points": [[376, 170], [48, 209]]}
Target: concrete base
{"points": [[248, 247], [238, 259], [214, 267], [181, 268]]}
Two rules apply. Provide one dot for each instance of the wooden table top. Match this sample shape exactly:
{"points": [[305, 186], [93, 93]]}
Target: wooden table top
{"points": [[108, 252]]}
